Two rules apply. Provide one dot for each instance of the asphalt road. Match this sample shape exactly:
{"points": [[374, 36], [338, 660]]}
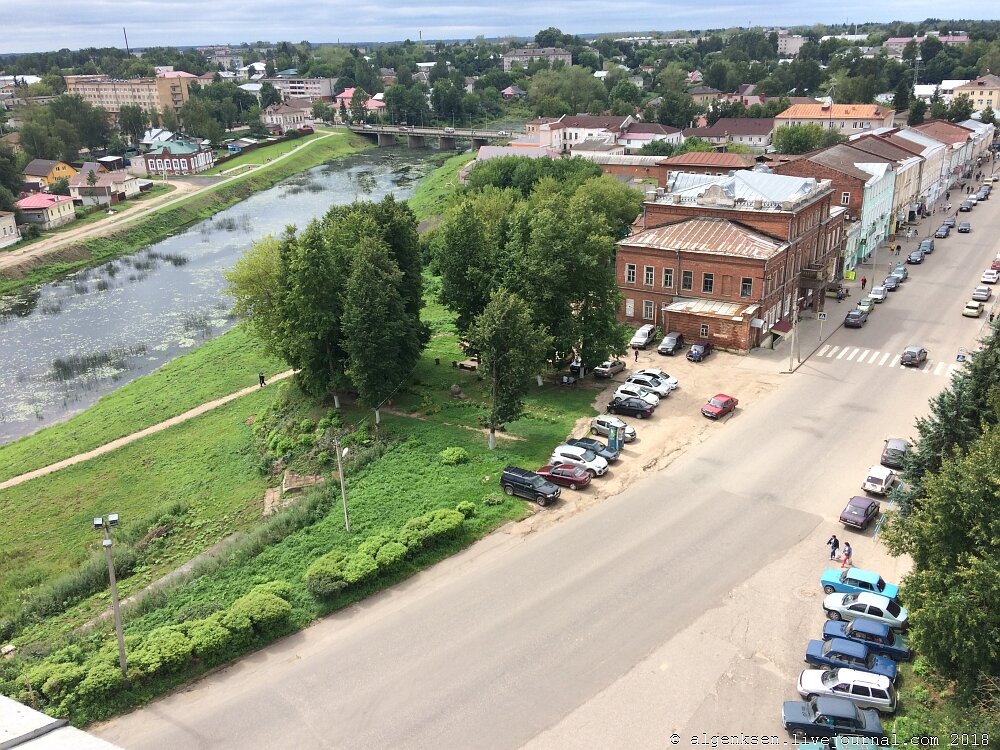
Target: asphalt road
{"points": [[682, 605]]}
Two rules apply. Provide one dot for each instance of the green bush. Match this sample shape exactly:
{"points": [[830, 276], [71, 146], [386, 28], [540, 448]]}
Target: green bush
{"points": [[306, 440], [359, 568], [102, 679], [323, 458], [306, 425], [267, 612], [494, 498], [164, 649], [389, 555], [466, 508], [325, 576], [55, 680], [430, 528], [334, 418], [454, 456], [208, 637], [279, 588], [240, 628], [373, 544]]}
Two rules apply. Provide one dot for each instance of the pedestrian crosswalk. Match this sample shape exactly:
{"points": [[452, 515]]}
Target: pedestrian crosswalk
{"points": [[873, 358]]}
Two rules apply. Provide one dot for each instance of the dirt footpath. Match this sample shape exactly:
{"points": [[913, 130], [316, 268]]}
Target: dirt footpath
{"points": [[676, 424]]}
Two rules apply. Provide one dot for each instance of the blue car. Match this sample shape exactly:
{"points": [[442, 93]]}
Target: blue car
{"points": [[856, 581], [877, 636], [601, 449], [840, 652]]}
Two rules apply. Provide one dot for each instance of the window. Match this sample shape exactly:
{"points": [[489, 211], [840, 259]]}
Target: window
{"points": [[703, 331], [845, 199], [687, 279], [647, 275], [861, 691], [668, 278], [707, 282], [647, 310], [629, 308], [630, 273], [746, 286]]}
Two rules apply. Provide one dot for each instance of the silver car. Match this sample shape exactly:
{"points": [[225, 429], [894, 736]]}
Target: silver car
{"points": [[878, 293], [864, 689], [982, 294], [601, 425]]}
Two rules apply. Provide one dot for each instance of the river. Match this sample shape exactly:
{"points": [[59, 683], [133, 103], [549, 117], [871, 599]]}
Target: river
{"points": [[66, 344]]}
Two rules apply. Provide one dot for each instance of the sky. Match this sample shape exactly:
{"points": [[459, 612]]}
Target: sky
{"points": [[74, 24]]}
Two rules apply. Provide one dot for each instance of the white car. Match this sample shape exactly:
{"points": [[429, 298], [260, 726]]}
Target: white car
{"points": [[659, 375], [655, 385], [878, 293], [990, 276], [602, 424], [574, 455], [879, 480], [864, 689], [630, 390], [873, 606], [609, 368]]}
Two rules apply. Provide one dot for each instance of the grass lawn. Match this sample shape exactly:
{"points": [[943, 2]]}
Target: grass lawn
{"points": [[216, 368], [264, 153], [433, 194]]}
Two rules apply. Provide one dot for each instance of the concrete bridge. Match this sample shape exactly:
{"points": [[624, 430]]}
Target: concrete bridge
{"points": [[416, 135]]}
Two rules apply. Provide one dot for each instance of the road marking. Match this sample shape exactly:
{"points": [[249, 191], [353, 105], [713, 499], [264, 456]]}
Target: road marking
{"points": [[937, 369], [952, 370], [864, 354], [843, 352], [822, 352], [926, 368], [853, 354], [884, 358], [894, 361], [832, 351], [871, 360]]}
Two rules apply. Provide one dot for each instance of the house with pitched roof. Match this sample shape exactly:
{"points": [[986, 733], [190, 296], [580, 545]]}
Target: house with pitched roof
{"points": [[752, 132], [906, 166], [957, 140], [39, 173], [284, 117], [93, 185], [934, 176], [47, 210], [730, 258], [570, 129], [8, 229], [847, 119], [708, 162], [639, 134], [983, 91], [522, 57], [175, 157], [703, 95]]}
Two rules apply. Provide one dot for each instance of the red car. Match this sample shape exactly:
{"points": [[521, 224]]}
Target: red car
{"points": [[568, 476], [719, 406]]}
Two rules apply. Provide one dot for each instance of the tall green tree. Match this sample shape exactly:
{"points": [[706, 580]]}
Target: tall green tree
{"points": [[918, 110], [133, 122], [464, 258], [255, 284], [511, 349], [798, 139]]}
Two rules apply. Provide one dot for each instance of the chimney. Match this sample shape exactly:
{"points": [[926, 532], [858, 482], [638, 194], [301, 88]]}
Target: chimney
{"points": [[758, 204], [651, 195]]}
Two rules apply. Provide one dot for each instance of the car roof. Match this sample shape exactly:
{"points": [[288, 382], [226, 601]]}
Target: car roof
{"points": [[899, 443], [867, 597], [868, 626], [913, 349], [864, 678], [849, 648], [835, 706], [860, 574], [862, 502], [879, 471]]}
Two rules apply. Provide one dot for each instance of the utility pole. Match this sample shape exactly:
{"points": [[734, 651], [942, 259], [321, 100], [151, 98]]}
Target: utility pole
{"points": [[343, 489], [105, 525]]}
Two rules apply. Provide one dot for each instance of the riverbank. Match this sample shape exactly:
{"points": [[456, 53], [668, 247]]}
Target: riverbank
{"points": [[175, 217]]}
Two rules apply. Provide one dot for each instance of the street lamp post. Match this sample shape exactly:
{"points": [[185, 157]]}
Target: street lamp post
{"points": [[106, 524], [343, 490]]}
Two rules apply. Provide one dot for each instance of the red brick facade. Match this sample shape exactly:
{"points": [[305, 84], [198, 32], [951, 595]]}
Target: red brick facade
{"points": [[848, 191]]}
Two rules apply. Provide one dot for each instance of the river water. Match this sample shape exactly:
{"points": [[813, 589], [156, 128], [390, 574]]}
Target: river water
{"points": [[66, 344]]}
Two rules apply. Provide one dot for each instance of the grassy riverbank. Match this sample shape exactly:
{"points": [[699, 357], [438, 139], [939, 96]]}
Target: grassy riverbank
{"points": [[434, 193], [173, 219]]}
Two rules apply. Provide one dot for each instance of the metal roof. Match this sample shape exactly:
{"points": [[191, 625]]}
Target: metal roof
{"points": [[708, 235]]}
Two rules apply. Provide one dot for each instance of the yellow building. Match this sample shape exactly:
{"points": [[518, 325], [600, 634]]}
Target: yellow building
{"points": [[44, 172], [983, 91], [167, 89]]}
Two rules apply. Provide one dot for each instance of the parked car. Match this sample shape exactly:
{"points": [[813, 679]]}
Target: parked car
{"points": [[982, 293], [973, 309], [672, 343], [628, 390], [449, 130], [855, 319], [859, 512], [990, 276], [609, 368], [601, 449], [950, 222], [524, 483], [964, 228], [973, 199], [891, 283], [873, 606], [568, 476], [633, 407], [878, 636], [839, 652], [894, 453], [582, 457], [878, 294], [643, 337], [965, 206], [699, 350], [879, 480], [829, 717], [863, 689], [942, 232], [917, 256], [719, 406], [867, 305], [995, 264], [841, 743], [650, 383], [663, 377], [503, 133], [913, 356], [576, 366], [901, 271], [856, 580], [927, 246], [603, 424]]}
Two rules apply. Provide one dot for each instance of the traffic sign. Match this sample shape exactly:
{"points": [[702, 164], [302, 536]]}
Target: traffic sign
{"points": [[821, 316]]}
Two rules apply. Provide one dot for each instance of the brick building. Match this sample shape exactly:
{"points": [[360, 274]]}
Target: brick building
{"points": [[708, 162], [730, 258]]}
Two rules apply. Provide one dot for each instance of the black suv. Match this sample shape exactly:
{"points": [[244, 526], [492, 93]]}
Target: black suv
{"points": [[527, 484], [699, 350]]}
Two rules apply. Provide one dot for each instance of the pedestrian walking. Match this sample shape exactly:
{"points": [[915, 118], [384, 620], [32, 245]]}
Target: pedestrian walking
{"points": [[864, 282], [898, 249], [260, 377], [636, 355], [947, 196], [848, 554], [890, 268], [991, 318], [834, 545]]}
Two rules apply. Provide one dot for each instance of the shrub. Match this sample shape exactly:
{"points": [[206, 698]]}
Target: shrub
{"points": [[306, 440], [306, 425], [359, 568], [466, 508], [164, 649], [279, 588], [324, 424], [57, 679], [323, 458], [389, 555], [430, 528], [240, 628], [373, 544], [333, 416], [325, 576], [102, 678], [494, 498], [454, 456], [267, 612], [208, 637]]}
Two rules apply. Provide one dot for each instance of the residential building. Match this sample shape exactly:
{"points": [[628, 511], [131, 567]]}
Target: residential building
{"points": [[897, 44], [934, 180], [175, 157], [522, 57], [226, 59], [907, 168], [861, 185], [284, 117], [752, 132], [693, 78], [945, 89], [513, 92], [154, 135], [47, 210], [12, 141], [708, 162], [310, 89], [847, 119], [982, 137], [168, 89], [104, 188], [8, 229], [39, 173], [570, 129], [958, 140], [790, 44], [596, 146], [641, 133], [983, 91], [731, 259], [704, 95]]}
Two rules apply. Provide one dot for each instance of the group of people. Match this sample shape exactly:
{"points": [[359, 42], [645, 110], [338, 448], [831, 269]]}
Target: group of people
{"points": [[834, 544]]}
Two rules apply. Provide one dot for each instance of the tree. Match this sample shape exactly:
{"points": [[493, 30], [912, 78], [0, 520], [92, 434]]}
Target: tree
{"points": [[988, 116], [677, 110], [269, 95], [168, 118], [133, 121], [657, 147], [901, 99], [961, 108], [798, 139], [917, 111], [321, 111], [464, 258], [511, 348], [358, 105], [255, 283]]}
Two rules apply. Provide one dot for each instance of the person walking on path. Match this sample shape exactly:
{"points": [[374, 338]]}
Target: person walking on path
{"points": [[848, 554], [898, 249], [636, 355], [260, 377], [834, 544], [864, 282], [991, 318]]}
